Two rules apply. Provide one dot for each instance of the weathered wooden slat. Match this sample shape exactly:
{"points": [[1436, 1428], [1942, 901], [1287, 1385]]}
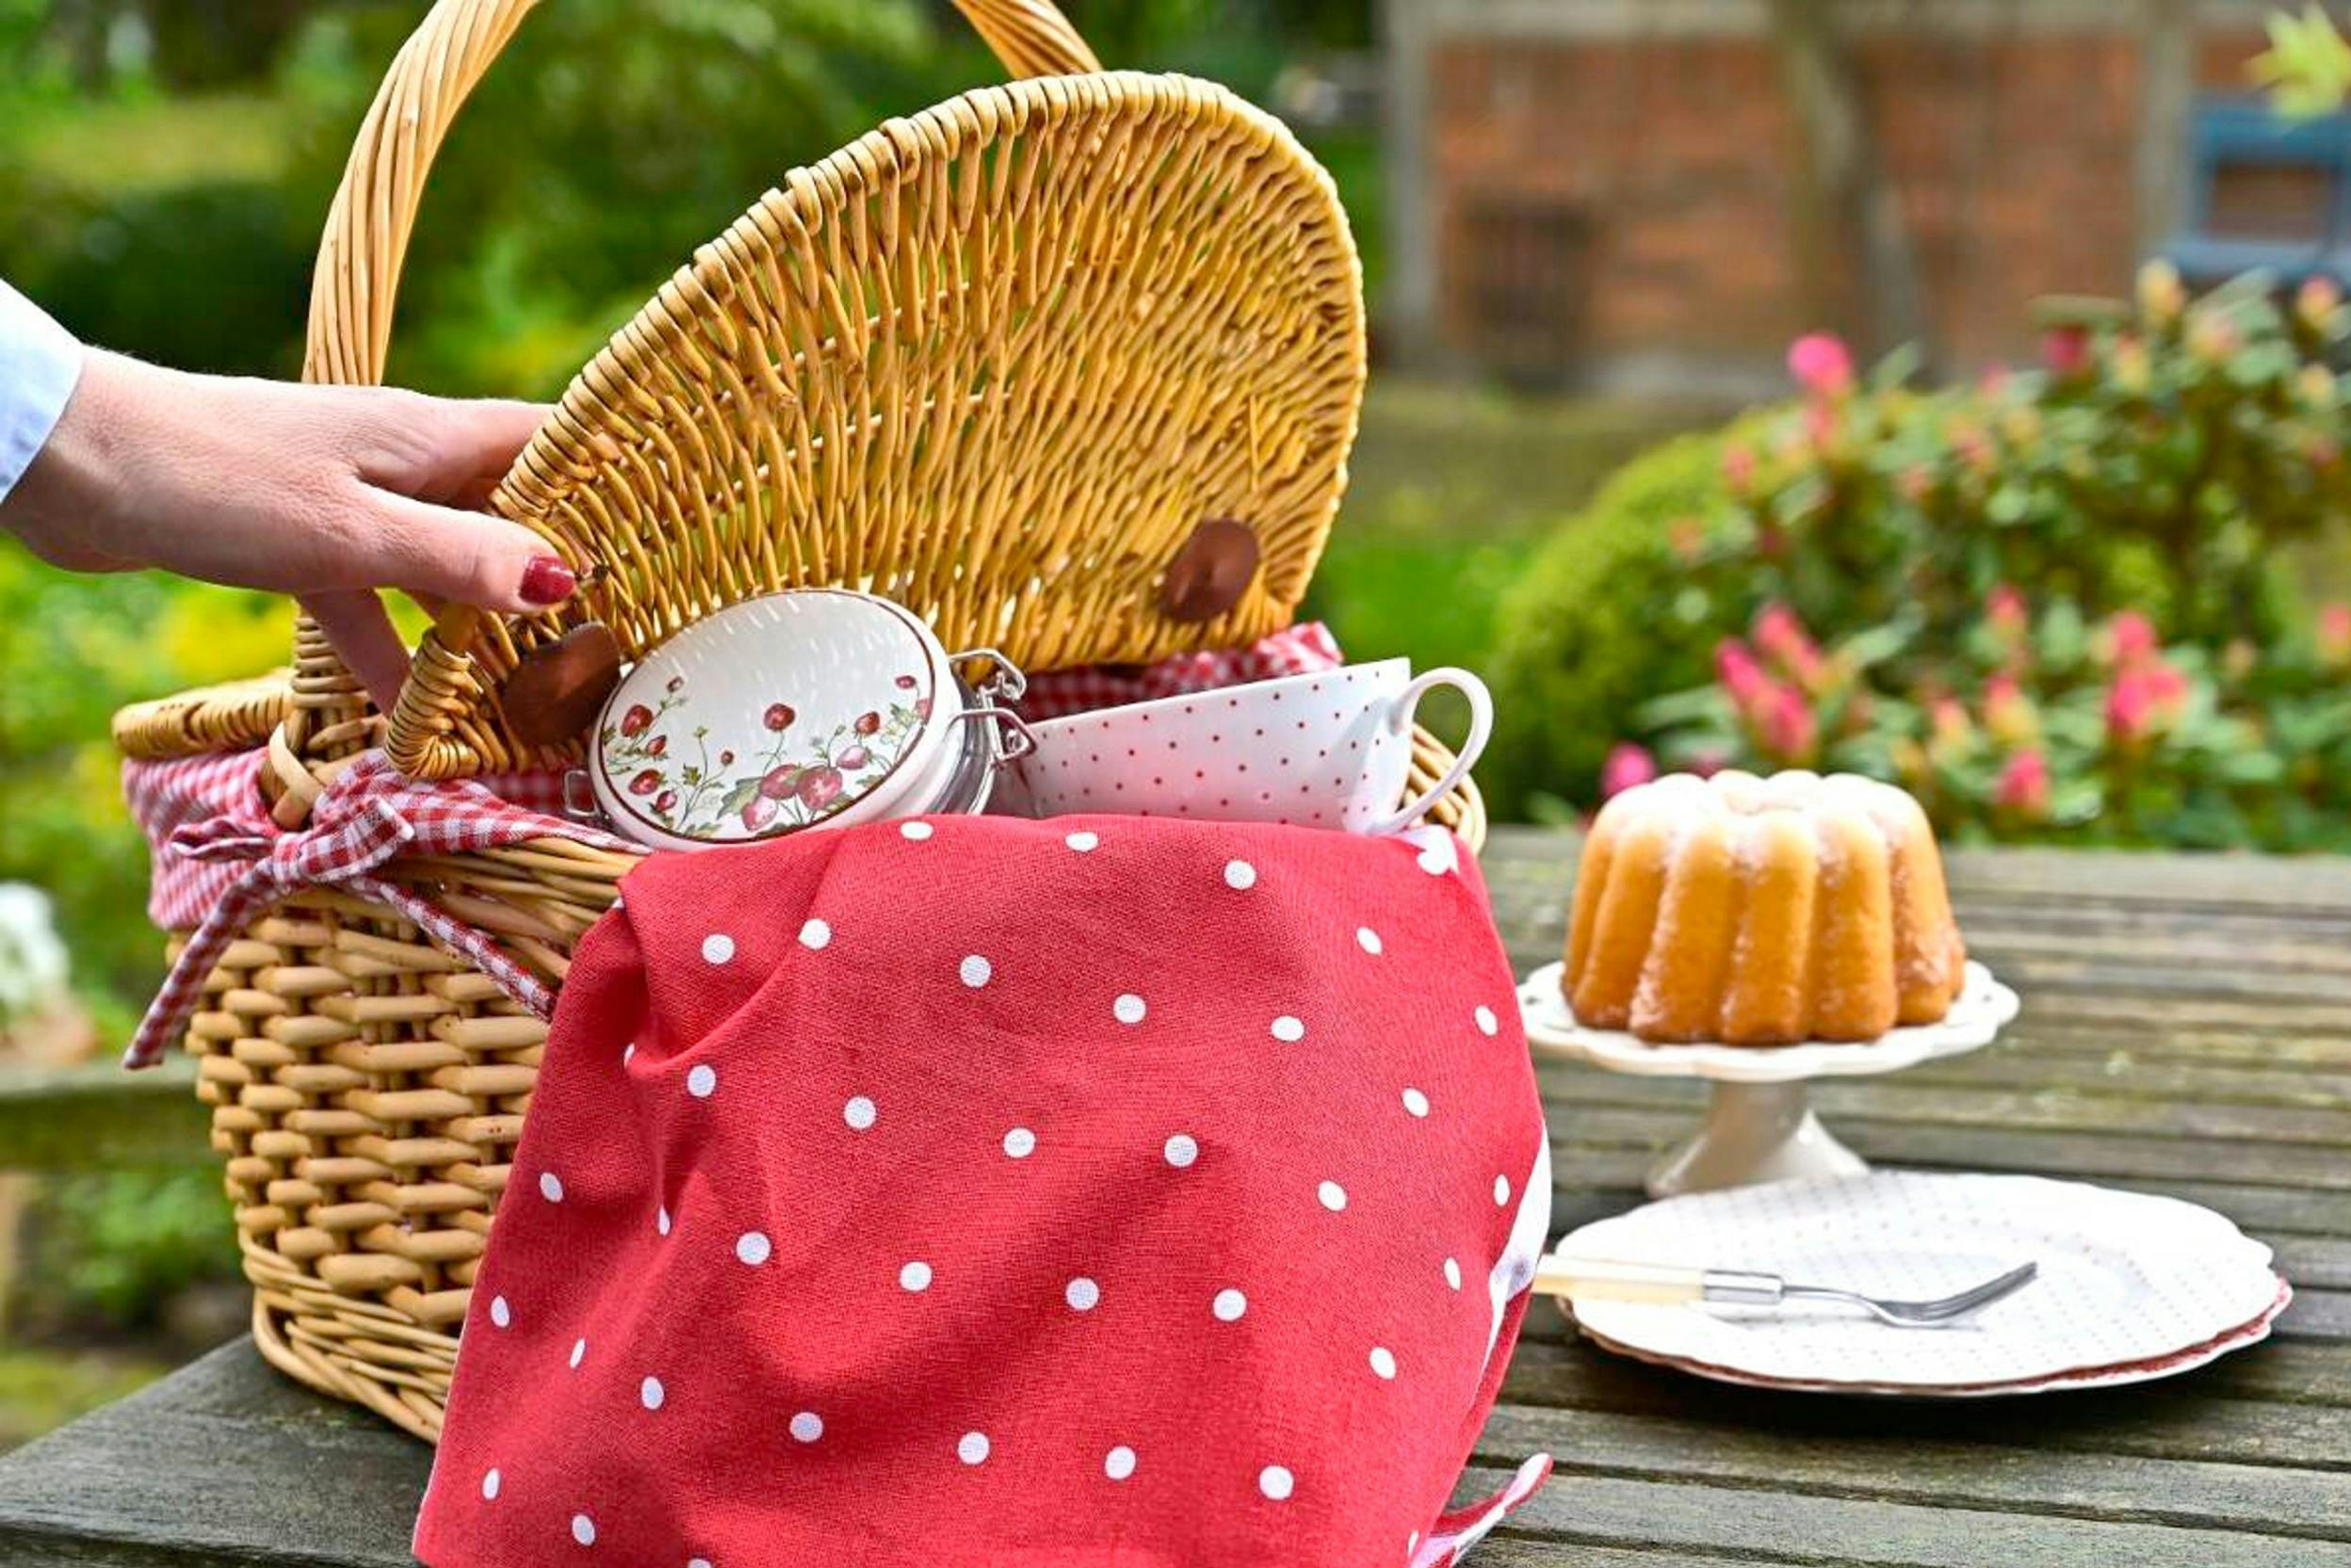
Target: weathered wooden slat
{"points": [[2059, 1153], [1788, 1527], [2197, 1494], [95, 1116], [1949, 1103], [2186, 1417]]}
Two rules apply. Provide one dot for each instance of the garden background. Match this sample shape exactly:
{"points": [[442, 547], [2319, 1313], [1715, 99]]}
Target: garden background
{"points": [[2089, 593]]}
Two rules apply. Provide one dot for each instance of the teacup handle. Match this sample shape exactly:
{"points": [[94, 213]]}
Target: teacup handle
{"points": [[1480, 730]]}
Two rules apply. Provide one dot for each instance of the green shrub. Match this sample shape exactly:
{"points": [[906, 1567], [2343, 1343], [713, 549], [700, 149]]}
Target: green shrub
{"points": [[1604, 617], [2060, 605]]}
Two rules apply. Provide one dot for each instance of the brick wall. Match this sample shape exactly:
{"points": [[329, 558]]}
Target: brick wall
{"points": [[1648, 183]]}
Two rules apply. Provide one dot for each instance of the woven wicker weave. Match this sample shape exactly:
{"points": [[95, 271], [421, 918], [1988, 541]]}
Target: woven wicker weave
{"points": [[996, 361]]}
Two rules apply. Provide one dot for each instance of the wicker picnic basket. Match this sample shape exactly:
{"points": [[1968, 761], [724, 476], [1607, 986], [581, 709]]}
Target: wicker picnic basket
{"points": [[999, 361]]}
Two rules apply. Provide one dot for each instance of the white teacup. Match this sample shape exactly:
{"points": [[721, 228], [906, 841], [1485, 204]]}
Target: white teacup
{"points": [[1330, 749]]}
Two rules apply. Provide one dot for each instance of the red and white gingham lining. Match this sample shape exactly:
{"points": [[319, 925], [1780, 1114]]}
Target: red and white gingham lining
{"points": [[220, 860]]}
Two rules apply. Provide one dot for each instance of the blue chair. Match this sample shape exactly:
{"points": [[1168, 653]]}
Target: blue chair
{"points": [[2245, 138]]}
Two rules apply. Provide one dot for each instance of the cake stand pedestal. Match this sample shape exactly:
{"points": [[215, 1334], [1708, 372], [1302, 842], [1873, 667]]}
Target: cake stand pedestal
{"points": [[1759, 1125]]}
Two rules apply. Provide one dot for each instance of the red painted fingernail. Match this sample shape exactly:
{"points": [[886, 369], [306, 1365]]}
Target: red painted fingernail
{"points": [[548, 581]]}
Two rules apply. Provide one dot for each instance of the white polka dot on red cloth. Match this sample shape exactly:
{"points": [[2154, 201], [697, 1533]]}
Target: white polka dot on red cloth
{"points": [[1382, 1362], [1368, 939], [1119, 1463], [500, 1313], [859, 1113], [579, 1352], [1334, 1196], [1229, 1305], [1415, 1102], [975, 971], [1452, 1273], [490, 1483], [752, 1248], [662, 1220], [1434, 861], [814, 936], [550, 1187], [1240, 875], [1276, 1482], [1129, 1009], [1082, 1294], [1181, 1150], [915, 1276], [718, 947], [972, 1447], [703, 1081], [917, 831], [652, 1394], [583, 1529], [1083, 842], [808, 1426], [1502, 1191], [1487, 1023], [1020, 1144], [1287, 1030]]}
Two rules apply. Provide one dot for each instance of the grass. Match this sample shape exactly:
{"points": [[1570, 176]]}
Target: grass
{"points": [[1453, 489], [42, 1388], [139, 147]]}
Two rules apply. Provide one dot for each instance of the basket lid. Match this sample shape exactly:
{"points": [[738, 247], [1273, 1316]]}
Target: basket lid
{"points": [[1008, 363]]}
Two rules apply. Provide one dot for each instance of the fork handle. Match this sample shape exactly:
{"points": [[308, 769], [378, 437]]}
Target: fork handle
{"points": [[1598, 1280]]}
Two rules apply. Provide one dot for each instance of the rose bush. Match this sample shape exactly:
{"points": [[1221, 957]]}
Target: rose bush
{"points": [[2059, 602]]}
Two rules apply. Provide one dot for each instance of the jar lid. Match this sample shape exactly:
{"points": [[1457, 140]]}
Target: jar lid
{"points": [[800, 709]]}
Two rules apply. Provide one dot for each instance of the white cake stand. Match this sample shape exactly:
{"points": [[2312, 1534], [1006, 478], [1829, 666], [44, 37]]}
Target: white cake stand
{"points": [[1759, 1126]]}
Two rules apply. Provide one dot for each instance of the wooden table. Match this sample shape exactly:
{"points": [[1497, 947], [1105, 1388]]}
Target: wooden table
{"points": [[2187, 1030]]}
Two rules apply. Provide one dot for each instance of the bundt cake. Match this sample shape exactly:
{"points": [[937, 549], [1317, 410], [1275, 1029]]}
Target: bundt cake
{"points": [[1761, 912]]}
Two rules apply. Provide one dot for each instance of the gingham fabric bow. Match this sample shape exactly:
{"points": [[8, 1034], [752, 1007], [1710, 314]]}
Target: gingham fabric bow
{"points": [[365, 818]]}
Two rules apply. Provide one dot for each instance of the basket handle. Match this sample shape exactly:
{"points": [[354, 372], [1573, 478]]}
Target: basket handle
{"points": [[358, 276]]}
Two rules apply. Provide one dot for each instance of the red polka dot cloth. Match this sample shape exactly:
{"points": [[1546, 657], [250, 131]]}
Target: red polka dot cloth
{"points": [[1086, 1193]]}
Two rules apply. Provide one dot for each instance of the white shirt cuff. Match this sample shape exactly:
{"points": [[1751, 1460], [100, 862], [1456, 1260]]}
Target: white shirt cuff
{"points": [[39, 363]]}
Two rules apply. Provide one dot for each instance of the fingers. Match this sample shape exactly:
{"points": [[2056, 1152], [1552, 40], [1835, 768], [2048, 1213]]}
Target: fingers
{"points": [[361, 629], [438, 553], [445, 450]]}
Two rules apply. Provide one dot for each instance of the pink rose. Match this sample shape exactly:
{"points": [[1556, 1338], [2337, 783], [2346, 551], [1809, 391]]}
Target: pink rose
{"points": [[1820, 365], [2334, 635], [2131, 639], [2023, 784], [1628, 765], [2008, 712], [2066, 351], [1783, 638], [1790, 727], [1738, 673], [2004, 607], [1738, 469]]}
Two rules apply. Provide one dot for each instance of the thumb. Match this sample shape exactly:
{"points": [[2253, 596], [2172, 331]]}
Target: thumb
{"points": [[470, 558]]}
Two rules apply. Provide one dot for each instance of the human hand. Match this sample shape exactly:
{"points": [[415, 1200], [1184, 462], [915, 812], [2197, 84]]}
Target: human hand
{"points": [[328, 493]]}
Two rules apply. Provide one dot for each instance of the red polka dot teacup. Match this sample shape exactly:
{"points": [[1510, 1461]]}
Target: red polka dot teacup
{"points": [[1328, 750]]}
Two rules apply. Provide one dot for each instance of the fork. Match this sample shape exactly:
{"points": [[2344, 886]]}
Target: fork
{"points": [[1594, 1280]]}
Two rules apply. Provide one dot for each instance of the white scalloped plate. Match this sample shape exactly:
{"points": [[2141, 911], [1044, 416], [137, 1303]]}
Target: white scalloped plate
{"points": [[2089, 1377], [1982, 1008], [2126, 1281]]}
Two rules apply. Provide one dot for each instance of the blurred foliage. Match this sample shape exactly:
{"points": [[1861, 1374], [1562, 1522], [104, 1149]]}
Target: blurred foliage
{"points": [[2163, 472], [2307, 67], [111, 1249]]}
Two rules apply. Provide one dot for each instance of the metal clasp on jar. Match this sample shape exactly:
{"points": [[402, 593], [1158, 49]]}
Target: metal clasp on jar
{"points": [[1002, 738]]}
